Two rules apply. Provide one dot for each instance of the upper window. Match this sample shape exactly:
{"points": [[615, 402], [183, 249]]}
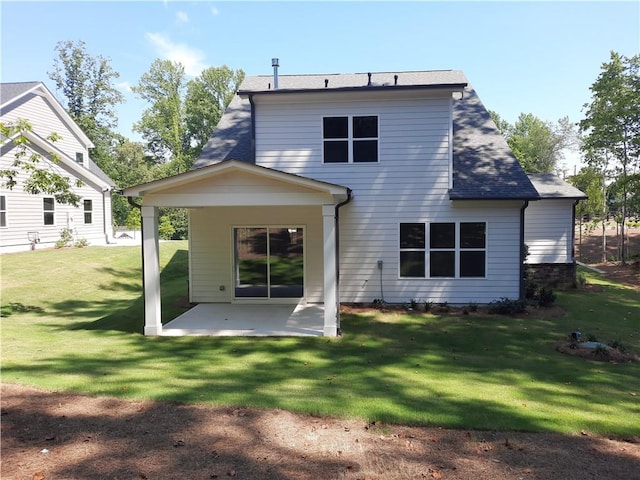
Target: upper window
{"points": [[350, 139], [80, 158], [88, 211], [48, 208], [454, 250], [3, 211]]}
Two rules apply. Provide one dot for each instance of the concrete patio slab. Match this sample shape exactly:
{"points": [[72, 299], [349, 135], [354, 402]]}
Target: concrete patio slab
{"points": [[243, 320]]}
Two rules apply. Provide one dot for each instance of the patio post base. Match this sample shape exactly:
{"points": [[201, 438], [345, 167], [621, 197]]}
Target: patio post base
{"points": [[152, 331]]}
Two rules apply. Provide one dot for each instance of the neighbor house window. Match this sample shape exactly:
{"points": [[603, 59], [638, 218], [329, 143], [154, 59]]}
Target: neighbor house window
{"points": [[453, 250], [48, 207], [80, 158], [350, 139], [3, 211], [88, 211]]}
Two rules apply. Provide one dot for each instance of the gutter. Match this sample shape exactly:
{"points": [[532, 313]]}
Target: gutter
{"points": [[337, 217], [522, 250]]}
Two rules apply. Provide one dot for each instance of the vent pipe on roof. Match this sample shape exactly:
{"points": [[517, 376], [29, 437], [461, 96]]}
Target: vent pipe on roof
{"points": [[369, 82], [395, 79], [275, 63], [326, 82]]}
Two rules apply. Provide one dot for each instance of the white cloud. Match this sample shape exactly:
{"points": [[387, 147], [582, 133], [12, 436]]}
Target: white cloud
{"points": [[214, 11], [124, 87], [190, 58], [182, 18]]}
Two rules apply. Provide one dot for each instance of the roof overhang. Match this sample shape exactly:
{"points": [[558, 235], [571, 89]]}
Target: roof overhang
{"points": [[51, 153], [236, 183]]}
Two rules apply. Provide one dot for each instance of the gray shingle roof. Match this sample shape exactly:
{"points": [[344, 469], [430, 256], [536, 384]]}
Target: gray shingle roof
{"points": [[550, 186], [484, 168], [9, 91], [289, 83], [231, 140]]}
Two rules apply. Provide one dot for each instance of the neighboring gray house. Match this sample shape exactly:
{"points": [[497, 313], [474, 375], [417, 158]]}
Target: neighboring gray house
{"points": [[329, 189], [30, 221], [549, 229]]}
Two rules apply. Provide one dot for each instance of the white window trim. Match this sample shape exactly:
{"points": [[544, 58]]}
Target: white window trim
{"points": [[85, 211], [457, 249], [350, 139], [52, 211], [6, 220]]}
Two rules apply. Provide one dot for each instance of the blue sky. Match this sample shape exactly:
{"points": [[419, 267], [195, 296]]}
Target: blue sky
{"points": [[532, 57]]}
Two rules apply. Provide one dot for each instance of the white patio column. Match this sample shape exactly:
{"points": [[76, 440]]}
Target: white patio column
{"points": [[151, 272], [330, 273]]}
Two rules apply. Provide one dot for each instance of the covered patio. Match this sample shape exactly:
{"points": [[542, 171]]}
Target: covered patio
{"points": [[258, 238], [248, 320]]}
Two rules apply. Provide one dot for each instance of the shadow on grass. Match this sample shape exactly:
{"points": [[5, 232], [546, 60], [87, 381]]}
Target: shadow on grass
{"points": [[126, 314]]}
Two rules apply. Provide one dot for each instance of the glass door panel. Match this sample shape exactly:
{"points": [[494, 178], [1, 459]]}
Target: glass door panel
{"points": [[269, 262], [286, 269], [251, 262]]}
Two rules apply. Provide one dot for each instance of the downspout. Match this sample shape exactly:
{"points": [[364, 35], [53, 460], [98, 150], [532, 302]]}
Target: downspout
{"points": [[253, 128], [573, 238], [522, 250], [337, 216]]}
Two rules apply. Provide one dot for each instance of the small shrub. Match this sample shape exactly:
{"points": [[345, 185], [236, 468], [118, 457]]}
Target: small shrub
{"points": [[507, 306], [81, 242], [427, 306], [473, 307], [591, 337], [413, 304], [546, 297], [378, 303], [581, 280], [444, 307], [66, 238]]}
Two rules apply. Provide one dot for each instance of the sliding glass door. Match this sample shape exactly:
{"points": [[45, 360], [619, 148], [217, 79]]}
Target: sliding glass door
{"points": [[269, 262]]}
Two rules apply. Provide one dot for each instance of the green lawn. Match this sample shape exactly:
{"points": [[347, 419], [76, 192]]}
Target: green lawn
{"points": [[72, 320]]}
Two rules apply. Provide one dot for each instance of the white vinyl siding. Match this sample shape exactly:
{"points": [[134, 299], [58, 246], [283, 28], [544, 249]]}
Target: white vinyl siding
{"points": [[211, 249], [547, 231], [45, 121], [409, 183], [27, 214]]}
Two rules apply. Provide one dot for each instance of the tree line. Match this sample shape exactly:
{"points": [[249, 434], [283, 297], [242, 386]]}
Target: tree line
{"points": [[181, 114], [608, 138]]}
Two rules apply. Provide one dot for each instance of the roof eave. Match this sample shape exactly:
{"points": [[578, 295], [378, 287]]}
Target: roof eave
{"points": [[280, 91]]}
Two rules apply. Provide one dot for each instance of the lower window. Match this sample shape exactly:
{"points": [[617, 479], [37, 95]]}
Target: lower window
{"points": [[48, 210], [453, 250]]}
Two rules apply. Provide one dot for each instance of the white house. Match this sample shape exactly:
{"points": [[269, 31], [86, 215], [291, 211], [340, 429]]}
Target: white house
{"points": [[29, 221], [329, 189]]}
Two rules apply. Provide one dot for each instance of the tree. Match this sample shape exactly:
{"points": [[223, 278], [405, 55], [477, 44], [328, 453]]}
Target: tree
{"points": [[611, 125], [86, 83], [537, 144], [163, 124], [42, 176], [504, 127], [590, 181], [207, 98]]}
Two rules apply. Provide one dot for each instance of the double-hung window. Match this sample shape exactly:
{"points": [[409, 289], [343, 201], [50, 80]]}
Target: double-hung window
{"points": [[350, 139], [88, 211], [3, 211], [453, 250], [48, 210], [80, 158]]}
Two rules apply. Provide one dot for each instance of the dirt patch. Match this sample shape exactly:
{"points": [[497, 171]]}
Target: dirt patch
{"points": [[47, 435]]}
